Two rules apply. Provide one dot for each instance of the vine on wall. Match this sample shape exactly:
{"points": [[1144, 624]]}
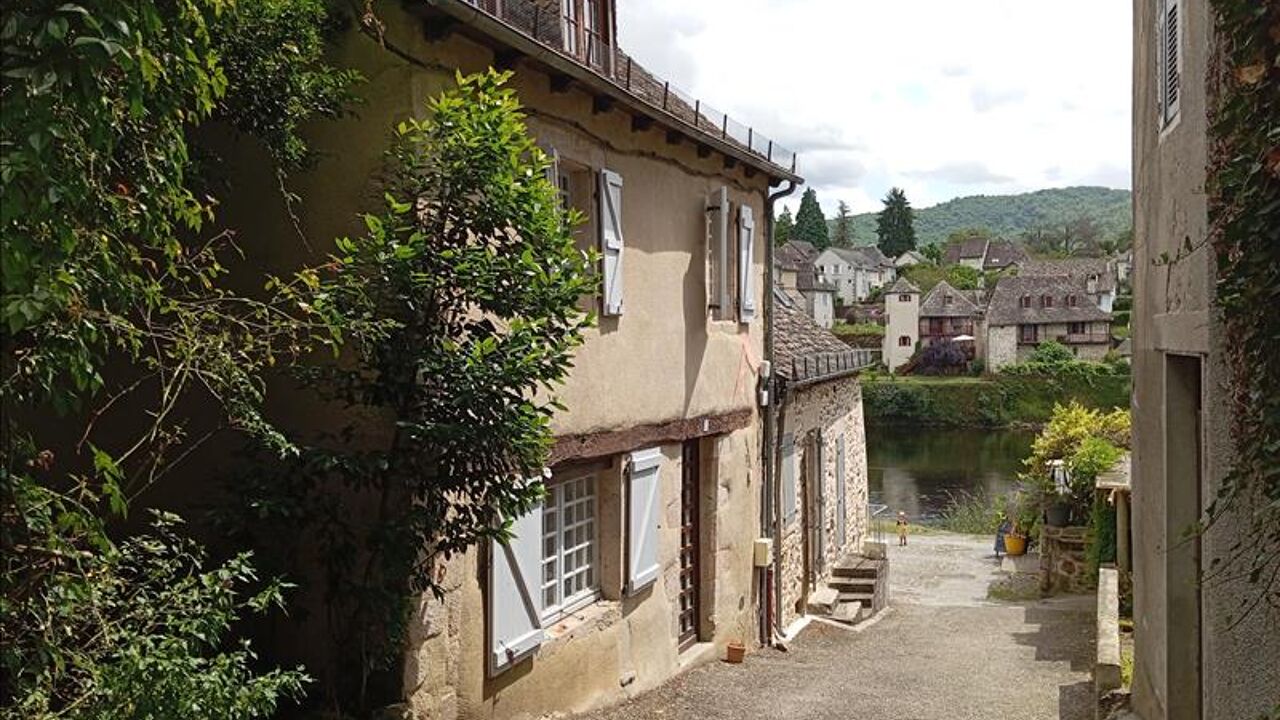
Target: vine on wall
{"points": [[1244, 186]]}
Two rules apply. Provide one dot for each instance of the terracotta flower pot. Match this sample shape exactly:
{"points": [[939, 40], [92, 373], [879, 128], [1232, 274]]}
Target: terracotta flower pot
{"points": [[1015, 544], [735, 652]]}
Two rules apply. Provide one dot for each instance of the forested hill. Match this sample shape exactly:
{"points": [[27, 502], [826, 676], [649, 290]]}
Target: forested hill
{"points": [[1011, 215]]}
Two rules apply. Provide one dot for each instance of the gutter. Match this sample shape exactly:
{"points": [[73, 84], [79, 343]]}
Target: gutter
{"points": [[770, 489]]}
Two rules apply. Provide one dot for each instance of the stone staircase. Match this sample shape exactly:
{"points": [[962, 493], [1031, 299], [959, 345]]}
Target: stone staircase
{"points": [[857, 589]]}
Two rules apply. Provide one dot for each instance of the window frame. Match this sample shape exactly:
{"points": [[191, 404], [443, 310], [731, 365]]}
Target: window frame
{"points": [[1028, 333], [553, 513], [904, 341], [1168, 114], [1024, 301]]}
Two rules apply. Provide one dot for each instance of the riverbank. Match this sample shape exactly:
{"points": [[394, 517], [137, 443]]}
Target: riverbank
{"points": [[994, 401]]}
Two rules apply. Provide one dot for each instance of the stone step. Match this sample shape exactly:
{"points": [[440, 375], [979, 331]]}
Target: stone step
{"points": [[861, 568], [848, 613], [823, 601], [865, 599], [853, 584]]}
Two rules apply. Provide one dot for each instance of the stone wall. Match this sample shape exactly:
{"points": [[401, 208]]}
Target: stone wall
{"points": [[1002, 346], [829, 410], [1063, 567]]}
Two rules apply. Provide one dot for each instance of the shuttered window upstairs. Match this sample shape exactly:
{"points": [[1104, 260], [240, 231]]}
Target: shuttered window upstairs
{"points": [[644, 506], [789, 493], [1168, 61], [611, 241], [746, 260], [515, 600], [720, 275]]}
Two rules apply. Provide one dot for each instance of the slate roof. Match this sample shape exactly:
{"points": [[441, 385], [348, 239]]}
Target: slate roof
{"points": [[968, 248], [910, 255], [803, 349], [807, 280], [962, 302], [902, 285], [864, 256], [1001, 254], [1005, 305], [1077, 268], [796, 255]]}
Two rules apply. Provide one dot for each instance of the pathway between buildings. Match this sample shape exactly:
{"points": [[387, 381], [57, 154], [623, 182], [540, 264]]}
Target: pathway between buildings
{"points": [[942, 652]]}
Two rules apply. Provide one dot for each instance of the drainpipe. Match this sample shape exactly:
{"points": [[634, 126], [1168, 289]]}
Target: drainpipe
{"points": [[770, 490]]}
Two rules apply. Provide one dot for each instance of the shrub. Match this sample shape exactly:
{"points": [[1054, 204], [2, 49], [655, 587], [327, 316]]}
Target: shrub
{"points": [[941, 358], [863, 328], [973, 513], [1051, 352]]}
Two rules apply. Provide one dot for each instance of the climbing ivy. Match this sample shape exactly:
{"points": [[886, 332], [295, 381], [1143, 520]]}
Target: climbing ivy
{"points": [[1244, 213]]}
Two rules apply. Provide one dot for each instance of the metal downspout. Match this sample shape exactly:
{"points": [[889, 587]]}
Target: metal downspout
{"points": [[771, 491]]}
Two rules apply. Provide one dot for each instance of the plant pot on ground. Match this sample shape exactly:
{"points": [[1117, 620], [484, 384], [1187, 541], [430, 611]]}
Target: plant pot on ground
{"points": [[1015, 544], [735, 652]]}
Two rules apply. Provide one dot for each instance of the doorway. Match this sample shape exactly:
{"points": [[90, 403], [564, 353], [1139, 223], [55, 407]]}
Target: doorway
{"points": [[1184, 460]]}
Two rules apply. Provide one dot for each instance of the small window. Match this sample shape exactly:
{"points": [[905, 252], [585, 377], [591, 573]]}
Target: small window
{"points": [[1027, 333], [947, 299], [1072, 301], [904, 298], [1025, 301], [1077, 328], [1046, 301], [904, 341], [1168, 62], [569, 577]]}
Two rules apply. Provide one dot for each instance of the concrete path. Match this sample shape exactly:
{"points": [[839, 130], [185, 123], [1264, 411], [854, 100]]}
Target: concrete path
{"points": [[942, 652]]}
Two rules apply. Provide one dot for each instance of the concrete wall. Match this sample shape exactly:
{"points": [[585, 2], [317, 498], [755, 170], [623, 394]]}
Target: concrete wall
{"points": [[830, 410], [1173, 319], [902, 318], [663, 360]]}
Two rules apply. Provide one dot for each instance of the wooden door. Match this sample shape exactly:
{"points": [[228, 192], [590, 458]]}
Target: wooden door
{"points": [[689, 606]]}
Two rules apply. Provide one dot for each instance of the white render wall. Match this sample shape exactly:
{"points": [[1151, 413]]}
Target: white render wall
{"points": [[902, 318]]}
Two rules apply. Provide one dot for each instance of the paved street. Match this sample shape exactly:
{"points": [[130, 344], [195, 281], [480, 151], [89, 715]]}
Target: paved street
{"points": [[943, 652]]}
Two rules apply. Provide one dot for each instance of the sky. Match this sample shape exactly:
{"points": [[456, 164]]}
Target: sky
{"points": [[943, 98]]}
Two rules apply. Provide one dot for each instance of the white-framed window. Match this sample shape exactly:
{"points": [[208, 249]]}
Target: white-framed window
{"points": [[570, 577], [1168, 62]]}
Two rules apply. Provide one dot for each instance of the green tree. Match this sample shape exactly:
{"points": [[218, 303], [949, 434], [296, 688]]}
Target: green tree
{"points": [[895, 225], [811, 224], [115, 295], [844, 226], [783, 226], [933, 253]]}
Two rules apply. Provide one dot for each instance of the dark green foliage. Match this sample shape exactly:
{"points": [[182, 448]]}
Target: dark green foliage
{"points": [[843, 234], [783, 226], [811, 225], [960, 277], [473, 268], [1010, 216], [1051, 352], [895, 225], [998, 401], [1244, 214]]}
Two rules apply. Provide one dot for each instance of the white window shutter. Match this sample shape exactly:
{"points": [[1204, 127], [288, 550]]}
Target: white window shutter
{"points": [[644, 506], [611, 240], [515, 597], [1172, 60], [746, 257], [553, 168], [718, 248], [788, 479]]}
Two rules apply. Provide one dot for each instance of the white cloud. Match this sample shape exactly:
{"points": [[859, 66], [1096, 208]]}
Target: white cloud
{"points": [[942, 98]]}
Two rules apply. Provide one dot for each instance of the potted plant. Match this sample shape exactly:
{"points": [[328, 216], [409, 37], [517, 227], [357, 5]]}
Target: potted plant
{"points": [[1058, 507]]}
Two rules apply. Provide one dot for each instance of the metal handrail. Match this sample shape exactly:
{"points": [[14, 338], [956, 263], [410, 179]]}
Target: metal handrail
{"points": [[876, 532], [547, 27]]}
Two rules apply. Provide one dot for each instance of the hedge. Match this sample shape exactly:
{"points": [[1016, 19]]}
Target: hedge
{"points": [[997, 401]]}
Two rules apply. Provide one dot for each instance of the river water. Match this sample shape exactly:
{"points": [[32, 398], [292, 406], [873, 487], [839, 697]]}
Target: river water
{"points": [[914, 468]]}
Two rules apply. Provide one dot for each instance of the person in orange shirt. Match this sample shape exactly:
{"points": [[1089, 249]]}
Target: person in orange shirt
{"points": [[902, 528]]}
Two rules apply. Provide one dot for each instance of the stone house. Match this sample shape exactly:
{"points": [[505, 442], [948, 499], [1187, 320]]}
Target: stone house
{"points": [[902, 325], [1195, 654], [947, 314], [855, 271], [984, 254], [639, 562], [909, 258], [1024, 311], [795, 273], [821, 457], [1100, 276]]}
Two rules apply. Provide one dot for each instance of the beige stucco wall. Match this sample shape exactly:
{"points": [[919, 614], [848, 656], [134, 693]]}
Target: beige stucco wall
{"points": [[1002, 346], [902, 318], [617, 647], [662, 360], [832, 410], [1173, 315]]}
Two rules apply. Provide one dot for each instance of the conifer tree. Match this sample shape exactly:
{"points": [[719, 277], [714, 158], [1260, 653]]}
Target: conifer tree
{"points": [[811, 224], [895, 224], [844, 227], [783, 226]]}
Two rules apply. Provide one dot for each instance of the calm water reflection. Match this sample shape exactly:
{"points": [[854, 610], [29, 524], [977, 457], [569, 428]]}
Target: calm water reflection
{"points": [[913, 468]]}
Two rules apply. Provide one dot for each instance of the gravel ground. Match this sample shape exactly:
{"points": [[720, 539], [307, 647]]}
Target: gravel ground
{"points": [[942, 652]]}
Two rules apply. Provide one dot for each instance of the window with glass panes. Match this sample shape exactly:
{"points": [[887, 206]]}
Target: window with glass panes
{"points": [[569, 577]]}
